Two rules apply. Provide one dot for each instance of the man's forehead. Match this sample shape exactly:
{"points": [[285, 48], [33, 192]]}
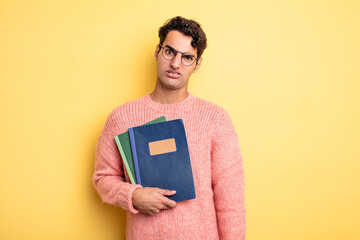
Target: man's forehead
{"points": [[179, 41]]}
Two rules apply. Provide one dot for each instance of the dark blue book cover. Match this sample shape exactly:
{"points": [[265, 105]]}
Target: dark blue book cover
{"points": [[161, 158]]}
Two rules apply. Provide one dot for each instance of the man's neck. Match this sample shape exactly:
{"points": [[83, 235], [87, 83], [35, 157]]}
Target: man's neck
{"points": [[168, 96]]}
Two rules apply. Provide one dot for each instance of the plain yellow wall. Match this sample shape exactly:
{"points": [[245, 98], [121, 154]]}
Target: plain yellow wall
{"points": [[286, 71]]}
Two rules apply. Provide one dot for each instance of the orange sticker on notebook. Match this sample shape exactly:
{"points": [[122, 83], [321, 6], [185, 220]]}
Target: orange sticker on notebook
{"points": [[162, 146]]}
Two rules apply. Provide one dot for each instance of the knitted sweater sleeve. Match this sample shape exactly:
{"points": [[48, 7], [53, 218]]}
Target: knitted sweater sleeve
{"points": [[228, 179], [109, 177]]}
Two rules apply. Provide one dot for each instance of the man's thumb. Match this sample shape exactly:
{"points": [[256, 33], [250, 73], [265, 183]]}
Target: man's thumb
{"points": [[168, 192]]}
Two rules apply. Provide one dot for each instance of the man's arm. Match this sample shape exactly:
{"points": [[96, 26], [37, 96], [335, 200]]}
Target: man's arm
{"points": [[109, 179], [228, 180]]}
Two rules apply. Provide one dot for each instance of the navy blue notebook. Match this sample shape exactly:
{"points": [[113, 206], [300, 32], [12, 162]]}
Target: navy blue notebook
{"points": [[161, 158]]}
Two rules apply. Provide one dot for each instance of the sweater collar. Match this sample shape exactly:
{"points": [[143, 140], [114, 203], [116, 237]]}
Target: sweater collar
{"points": [[184, 104]]}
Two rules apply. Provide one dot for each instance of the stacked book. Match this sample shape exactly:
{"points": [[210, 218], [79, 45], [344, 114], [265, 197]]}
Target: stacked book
{"points": [[157, 155]]}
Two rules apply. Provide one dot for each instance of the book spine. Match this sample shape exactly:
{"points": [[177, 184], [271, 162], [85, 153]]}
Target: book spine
{"points": [[125, 161], [135, 158]]}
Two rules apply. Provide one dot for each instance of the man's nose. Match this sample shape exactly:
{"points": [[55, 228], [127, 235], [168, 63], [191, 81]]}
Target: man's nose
{"points": [[175, 63]]}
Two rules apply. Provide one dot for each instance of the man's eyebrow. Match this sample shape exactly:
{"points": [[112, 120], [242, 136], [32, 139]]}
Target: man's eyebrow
{"points": [[187, 53], [170, 47]]}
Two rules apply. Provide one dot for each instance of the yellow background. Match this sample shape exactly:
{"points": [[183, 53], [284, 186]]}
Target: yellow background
{"points": [[286, 71]]}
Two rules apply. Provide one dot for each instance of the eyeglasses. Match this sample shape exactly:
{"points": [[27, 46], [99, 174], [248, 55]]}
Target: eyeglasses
{"points": [[170, 53]]}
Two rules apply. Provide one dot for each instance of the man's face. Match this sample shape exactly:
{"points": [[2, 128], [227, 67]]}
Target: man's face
{"points": [[172, 74]]}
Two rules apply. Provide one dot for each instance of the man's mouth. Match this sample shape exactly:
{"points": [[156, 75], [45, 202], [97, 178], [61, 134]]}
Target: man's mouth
{"points": [[172, 74]]}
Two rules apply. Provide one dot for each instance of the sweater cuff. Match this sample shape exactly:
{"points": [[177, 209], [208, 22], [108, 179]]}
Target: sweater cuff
{"points": [[130, 205]]}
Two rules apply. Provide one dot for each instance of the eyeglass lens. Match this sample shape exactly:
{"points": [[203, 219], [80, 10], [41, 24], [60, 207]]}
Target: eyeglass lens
{"points": [[186, 58]]}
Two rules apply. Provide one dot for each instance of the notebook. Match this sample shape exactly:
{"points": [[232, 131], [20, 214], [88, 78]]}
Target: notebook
{"points": [[161, 158], [123, 143]]}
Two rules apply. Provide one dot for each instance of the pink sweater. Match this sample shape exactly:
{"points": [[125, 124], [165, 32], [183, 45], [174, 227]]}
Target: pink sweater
{"points": [[218, 212]]}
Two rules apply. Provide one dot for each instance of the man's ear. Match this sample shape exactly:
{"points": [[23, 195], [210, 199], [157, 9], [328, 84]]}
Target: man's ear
{"points": [[198, 65], [157, 52]]}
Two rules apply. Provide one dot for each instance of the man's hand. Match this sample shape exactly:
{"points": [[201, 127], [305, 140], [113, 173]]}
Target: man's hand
{"points": [[152, 200]]}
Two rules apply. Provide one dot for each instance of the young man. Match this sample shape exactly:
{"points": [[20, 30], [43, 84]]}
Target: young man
{"points": [[218, 212]]}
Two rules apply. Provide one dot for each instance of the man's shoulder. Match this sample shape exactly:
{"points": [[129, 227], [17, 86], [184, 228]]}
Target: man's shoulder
{"points": [[219, 120], [122, 117], [128, 106], [210, 107]]}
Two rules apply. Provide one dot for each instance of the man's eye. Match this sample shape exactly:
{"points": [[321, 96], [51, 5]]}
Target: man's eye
{"points": [[169, 51], [189, 57]]}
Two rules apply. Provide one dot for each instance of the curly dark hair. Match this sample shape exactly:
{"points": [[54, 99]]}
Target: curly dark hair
{"points": [[187, 27]]}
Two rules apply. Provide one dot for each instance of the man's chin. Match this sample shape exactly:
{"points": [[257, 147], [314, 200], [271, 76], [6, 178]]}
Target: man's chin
{"points": [[172, 86]]}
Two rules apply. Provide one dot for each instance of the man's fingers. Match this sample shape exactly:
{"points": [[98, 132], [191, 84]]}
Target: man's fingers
{"points": [[164, 207], [170, 203], [167, 192], [152, 200], [167, 202]]}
